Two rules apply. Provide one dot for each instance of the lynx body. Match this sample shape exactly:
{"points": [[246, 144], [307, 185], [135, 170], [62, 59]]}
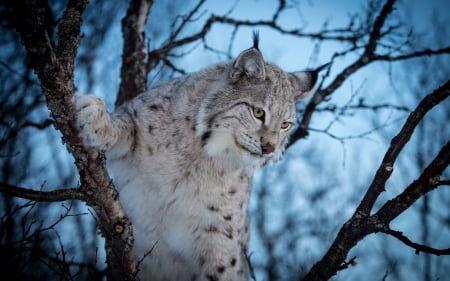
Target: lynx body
{"points": [[182, 156]]}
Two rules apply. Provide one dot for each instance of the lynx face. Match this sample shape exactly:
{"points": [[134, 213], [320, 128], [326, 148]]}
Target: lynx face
{"points": [[249, 120]]}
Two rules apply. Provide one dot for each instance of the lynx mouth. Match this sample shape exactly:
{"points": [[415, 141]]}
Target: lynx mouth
{"points": [[253, 153]]}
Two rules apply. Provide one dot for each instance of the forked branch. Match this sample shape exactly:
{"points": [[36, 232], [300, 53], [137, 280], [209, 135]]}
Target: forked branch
{"points": [[363, 223]]}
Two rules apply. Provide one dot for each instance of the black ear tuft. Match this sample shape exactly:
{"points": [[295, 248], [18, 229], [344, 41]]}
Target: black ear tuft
{"points": [[256, 39], [249, 63]]}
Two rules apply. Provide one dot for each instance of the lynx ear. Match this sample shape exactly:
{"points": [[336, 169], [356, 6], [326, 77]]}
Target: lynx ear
{"points": [[249, 64], [304, 81]]}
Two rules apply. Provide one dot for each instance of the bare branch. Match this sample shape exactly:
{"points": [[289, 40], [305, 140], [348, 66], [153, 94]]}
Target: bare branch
{"points": [[169, 64], [17, 73], [42, 196], [159, 54], [428, 181], [329, 35], [418, 247], [367, 57], [13, 131], [397, 144], [363, 60], [426, 52], [362, 223], [186, 19], [363, 106], [376, 34]]}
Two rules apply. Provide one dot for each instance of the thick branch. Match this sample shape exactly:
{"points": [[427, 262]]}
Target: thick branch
{"points": [[428, 181], [133, 72], [54, 65], [361, 223], [397, 144]]}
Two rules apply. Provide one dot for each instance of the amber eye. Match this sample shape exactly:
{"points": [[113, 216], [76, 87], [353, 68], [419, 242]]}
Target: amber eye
{"points": [[258, 113], [286, 125]]}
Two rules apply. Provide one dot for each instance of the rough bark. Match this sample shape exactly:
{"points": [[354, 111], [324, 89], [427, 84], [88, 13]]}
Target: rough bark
{"points": [[53, 63], [133, 71]]}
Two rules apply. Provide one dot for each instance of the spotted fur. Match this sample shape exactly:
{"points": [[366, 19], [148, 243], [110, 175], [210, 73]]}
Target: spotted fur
{"points": [[182, 155]]}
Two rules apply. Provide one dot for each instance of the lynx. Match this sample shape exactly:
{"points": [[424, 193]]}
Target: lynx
{"points": [[182, 156]]}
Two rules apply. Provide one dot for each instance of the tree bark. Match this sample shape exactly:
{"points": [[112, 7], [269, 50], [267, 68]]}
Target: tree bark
{"points": [[133, 71], [54, 66]]}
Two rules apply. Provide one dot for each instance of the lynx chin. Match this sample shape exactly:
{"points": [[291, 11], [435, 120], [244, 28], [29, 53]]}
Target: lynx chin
{"points": [[182, 156]]}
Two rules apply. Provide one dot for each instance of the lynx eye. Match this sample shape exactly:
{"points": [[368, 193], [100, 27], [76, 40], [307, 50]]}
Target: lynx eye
{"points": [[258, 113], [286, 125]]}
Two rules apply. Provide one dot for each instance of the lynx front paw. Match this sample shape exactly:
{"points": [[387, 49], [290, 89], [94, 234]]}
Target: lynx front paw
{"points": [[94, 123]]}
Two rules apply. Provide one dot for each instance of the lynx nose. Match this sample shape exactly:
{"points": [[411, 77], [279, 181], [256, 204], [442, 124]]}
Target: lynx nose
{"points": [[267, 148]]}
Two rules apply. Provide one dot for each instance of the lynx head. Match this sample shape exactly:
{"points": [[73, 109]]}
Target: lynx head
{"points": [[249, 115]]}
